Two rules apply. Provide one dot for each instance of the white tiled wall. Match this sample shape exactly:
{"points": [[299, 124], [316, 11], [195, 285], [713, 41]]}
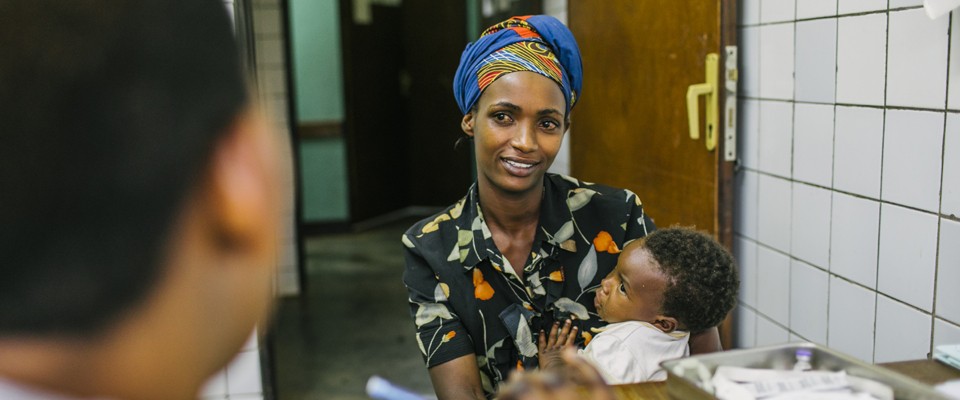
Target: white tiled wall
{"points": [[240, 380], [270, 46], [848, 217]]}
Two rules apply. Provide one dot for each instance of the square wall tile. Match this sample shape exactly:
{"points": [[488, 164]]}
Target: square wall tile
{"points": [[216, 386], [953, 89], [776, 61], [905, 3], [243, 374], [745, 252], [816, 60], [252, 343], [745, 217], [816, 8], [813, 143], [777, 10], [912, 155], [269, 51], [861, 55], [858, 150], [773, 225], [746, 329], [810, 237], [851, 319], [948, 271], [748, 12], [854, 239], [908, 254], [769, 333], [903, 333], [267, 23], [773, 285], [553, 7], [945, 333], [857, 6], [288, 284], [950, 199], [748, 141], [749, 50], [917, 60], [776, 137], [808, 301]]}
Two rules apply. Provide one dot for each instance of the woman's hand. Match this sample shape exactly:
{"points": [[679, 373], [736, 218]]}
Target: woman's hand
{"points": [[576, 379], [549, 348]]}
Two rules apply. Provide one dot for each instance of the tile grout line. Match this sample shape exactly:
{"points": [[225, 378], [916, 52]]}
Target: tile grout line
{"points": [[943, 156]]}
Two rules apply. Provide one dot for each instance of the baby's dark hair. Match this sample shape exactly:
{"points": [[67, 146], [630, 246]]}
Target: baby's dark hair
{"points": [[702, 278]]}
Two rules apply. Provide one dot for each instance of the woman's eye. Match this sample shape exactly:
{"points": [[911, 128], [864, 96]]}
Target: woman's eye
{"points": [[549, 125], [622, 289], [501, 117]]}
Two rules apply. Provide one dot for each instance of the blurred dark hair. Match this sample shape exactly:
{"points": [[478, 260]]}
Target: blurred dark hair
{"points": [[702, 278], [109, 110]]}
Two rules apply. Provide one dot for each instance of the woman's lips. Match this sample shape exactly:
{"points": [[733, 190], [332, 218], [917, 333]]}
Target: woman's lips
{"points": [[516, 167]]}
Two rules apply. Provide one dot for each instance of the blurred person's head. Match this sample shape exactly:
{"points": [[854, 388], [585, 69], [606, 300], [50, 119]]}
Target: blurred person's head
{"points": [[138, 196]]}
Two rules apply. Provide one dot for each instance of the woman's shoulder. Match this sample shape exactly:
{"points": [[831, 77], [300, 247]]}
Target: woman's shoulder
{"points": [[564, 184], [434, 228]]}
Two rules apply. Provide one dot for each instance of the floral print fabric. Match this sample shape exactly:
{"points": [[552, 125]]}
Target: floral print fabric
{"points": [[466, 298]]}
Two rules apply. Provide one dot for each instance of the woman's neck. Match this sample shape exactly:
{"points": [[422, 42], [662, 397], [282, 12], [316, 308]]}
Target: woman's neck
{"points": [[511, 212]]}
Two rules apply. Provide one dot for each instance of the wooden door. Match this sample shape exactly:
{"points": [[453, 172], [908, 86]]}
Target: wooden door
{"points": [[373, 130], [630, 128]]}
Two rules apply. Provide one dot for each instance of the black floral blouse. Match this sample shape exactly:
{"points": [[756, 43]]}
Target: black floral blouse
{"points": [[466, 298]]}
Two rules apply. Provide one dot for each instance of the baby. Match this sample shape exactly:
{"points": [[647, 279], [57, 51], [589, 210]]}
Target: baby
{"points": [[672, 282]]}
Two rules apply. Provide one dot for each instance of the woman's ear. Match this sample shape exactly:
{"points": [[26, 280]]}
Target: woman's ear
{"points": [[665, 323], [467, 123]]}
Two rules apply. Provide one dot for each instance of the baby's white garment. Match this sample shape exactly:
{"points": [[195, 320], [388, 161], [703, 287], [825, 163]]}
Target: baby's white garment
{"points": [[631, 351]]}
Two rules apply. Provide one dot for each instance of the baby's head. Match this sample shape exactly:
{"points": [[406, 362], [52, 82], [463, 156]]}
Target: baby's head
{"points": [[674, 278]]}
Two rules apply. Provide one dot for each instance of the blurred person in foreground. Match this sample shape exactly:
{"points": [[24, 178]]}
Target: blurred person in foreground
{"points": [[139, 199]]}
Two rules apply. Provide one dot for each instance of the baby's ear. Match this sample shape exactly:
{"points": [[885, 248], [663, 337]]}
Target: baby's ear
{"points": [[665, 323]]}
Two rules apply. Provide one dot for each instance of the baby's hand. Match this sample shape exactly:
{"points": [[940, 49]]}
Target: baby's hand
{"points": [[550, 347]]}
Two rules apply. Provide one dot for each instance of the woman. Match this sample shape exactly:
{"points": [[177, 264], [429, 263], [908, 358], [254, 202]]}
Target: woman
{"points": [[523, 249]]}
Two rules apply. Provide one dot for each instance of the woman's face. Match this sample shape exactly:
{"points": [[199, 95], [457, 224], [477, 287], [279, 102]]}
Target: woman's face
{"points": [[517, 125]]}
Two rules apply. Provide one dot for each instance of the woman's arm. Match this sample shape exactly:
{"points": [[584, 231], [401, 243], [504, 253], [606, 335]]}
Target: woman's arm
{"points": [[707, 341], [457, 379]]}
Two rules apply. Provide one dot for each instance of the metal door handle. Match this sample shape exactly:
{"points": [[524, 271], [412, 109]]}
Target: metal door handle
{"points": [[708, 89]]}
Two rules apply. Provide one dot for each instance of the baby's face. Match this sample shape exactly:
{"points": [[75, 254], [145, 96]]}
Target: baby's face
{"points": [[634, 290]]}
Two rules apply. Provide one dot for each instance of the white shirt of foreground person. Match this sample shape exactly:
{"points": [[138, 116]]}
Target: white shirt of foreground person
{"points": [[631, 351]]}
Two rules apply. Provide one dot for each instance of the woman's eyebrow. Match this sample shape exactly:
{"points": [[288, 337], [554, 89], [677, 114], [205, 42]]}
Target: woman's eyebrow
{"points": [[549, 111], [505, 104]]}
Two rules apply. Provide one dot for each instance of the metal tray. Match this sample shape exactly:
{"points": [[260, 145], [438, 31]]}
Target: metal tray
{"points": [[782, 357]]}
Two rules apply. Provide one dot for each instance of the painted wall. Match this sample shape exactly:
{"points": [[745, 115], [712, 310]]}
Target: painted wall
{"points": [[315, 38], [849, 194], [316, 58], [322, 163]]}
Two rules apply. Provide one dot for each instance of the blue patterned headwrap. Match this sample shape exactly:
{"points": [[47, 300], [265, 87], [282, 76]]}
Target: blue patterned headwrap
{"points": [[536, 43]]}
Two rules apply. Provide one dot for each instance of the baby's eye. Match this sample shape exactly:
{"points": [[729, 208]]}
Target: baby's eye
{"points": [[622, 289]]}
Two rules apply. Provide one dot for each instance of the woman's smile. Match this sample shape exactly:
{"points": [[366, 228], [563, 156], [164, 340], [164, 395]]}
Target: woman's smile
{"points": [[519, 167]]}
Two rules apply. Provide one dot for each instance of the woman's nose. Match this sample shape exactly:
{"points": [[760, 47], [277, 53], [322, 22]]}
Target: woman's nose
{"points": [[526, 139]]}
